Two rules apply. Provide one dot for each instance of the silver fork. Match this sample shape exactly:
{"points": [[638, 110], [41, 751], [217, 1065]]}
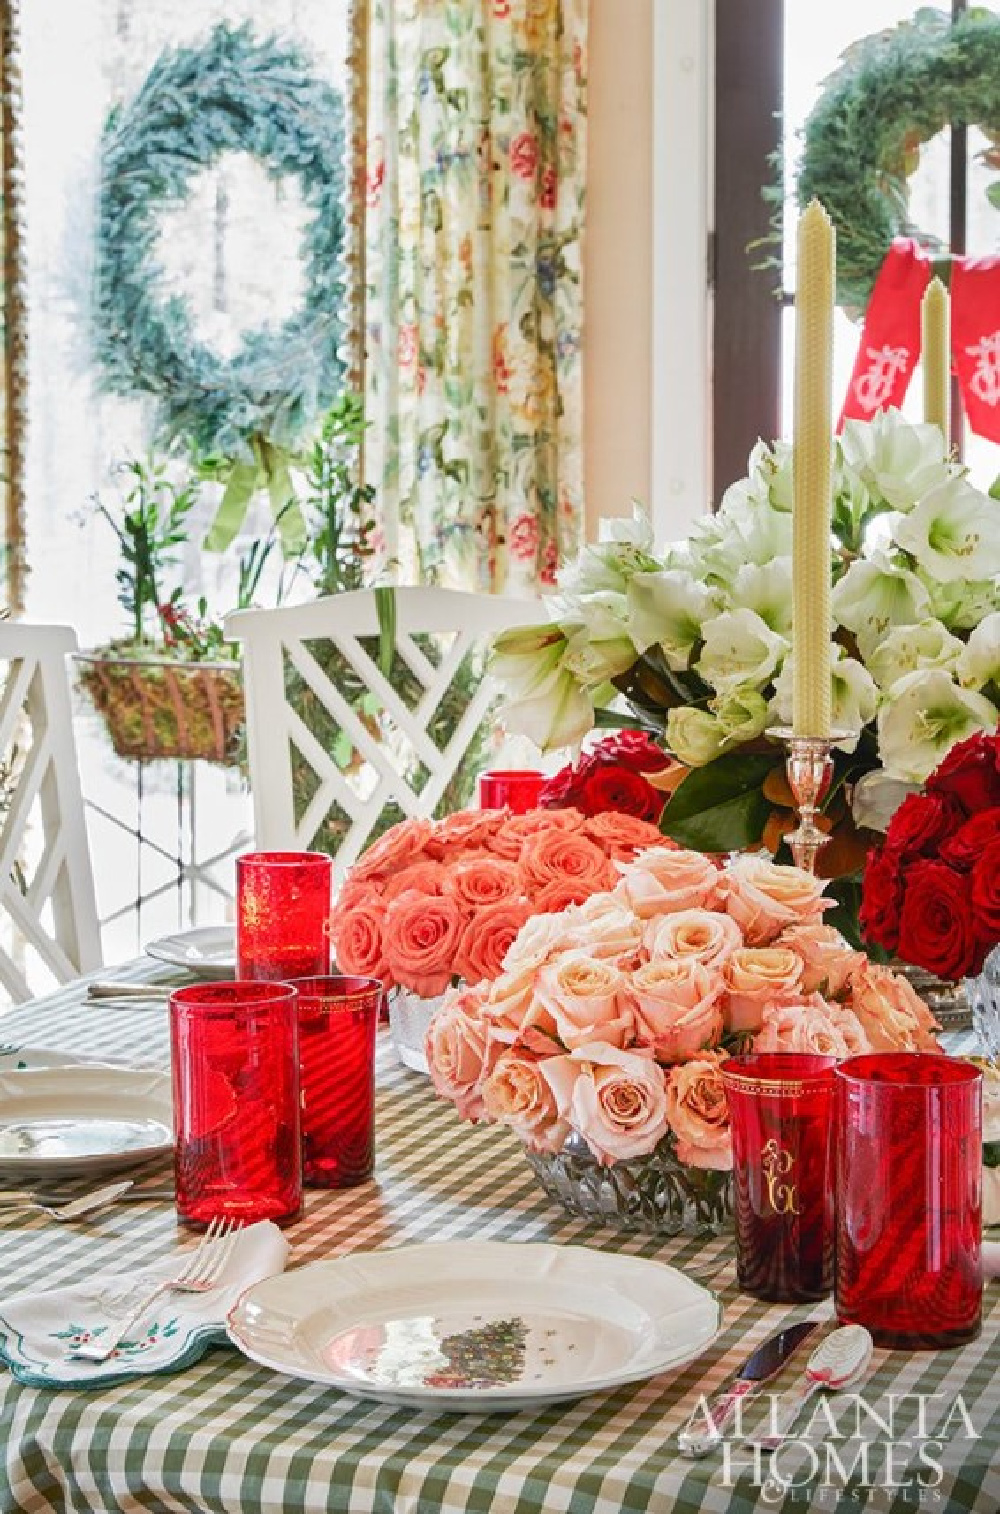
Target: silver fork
{"points": [[201, 1272]]}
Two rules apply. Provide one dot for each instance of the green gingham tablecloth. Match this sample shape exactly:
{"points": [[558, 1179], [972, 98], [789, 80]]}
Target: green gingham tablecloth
{"points": [[227, 1435]]}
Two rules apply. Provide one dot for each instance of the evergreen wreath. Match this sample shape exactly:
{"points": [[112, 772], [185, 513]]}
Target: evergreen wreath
{"points": [[231, 94], [892, 92]]}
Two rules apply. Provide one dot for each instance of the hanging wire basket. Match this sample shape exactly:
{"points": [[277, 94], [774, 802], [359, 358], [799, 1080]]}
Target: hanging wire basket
{"points": [[156, 708]]}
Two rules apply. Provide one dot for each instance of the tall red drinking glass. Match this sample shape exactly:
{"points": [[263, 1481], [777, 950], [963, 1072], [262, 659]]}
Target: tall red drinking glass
{"points": [[515, 789], [909, 1195], [235, 1065], [283, 915], [338, 1017], [781, 1111]]}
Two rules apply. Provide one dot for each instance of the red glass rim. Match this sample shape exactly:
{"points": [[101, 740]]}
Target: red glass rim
{"points": [[339, 988], [506, 773], [284, 859], [233, 993], [777, 1072], [908, 1069]]}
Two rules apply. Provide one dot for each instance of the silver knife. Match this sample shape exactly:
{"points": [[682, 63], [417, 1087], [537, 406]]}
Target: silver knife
{"points": [[708, 1424]]}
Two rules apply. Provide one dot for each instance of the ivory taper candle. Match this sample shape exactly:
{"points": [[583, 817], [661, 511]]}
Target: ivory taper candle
{"points": [[812, 471], [934, 354]]}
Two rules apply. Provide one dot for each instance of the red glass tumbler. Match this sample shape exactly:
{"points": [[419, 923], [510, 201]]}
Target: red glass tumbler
{"points": [[338, 1017], [237, 1137], [515, 789], [781, 1114], [909, 1196], [283, 915]]}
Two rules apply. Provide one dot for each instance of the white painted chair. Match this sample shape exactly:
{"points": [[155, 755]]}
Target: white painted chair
{"points": [[47, 907], [330, 755]]}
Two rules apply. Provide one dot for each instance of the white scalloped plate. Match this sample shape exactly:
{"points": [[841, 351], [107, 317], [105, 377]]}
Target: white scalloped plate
{"points": [[82, 1119], [209, 951]]}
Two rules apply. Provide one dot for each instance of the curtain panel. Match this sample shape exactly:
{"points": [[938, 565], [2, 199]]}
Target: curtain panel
{"points": [[473, 271], [12, 320]]}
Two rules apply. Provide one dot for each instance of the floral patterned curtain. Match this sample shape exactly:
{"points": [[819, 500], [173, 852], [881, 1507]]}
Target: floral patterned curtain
{"points": [[475, 193], [11, 322]]}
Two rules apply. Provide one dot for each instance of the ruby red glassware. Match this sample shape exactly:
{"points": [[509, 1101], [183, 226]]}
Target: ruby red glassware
{"points": [[515, 789], [338, 1017], [909, 1196], [781, 1113], [283, 915], [235, 1066]]}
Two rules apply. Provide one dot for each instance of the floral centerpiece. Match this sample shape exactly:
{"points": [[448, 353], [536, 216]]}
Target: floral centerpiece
{"points": [[695, 640], [600, 1043]]}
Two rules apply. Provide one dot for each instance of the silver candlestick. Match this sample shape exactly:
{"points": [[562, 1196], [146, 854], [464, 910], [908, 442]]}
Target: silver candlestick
{"points": [[809, 766]]}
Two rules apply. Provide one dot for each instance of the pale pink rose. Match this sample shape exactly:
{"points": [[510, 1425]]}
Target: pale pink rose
{"points": [[661, 882], [421, 933], [540, 939], [588, 999], [488, 936], [891, 1012], [487, 879], [517, 830], [850, 1027], [755, 976], [565, 856], [621, 836], [807, 1026], [401, 844], [765, 898], [356, 941], [516, 1094], [698, 1113], [698, 933], [516, 1014], [676, 1008], [426, 876], [616, 1100], [606, 928], [827, 960], [465, 828], [460, 1052]]}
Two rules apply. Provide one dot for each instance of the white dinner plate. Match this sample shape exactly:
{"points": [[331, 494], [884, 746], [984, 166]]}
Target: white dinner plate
{"points": [[207, 950], [82, 1119], [476, 1326]]}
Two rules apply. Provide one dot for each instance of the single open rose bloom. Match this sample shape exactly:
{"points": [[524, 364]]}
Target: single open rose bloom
{"points": [[662, 882], [555, 857], [556, 897], [891, 1012], [621, 836], [425, 875], [421, 933], [616, 1100], [460, 1052], [676, 1008], [399, 845], [827, 960], [487, 938], [697, 933], [356, 939], [588, 1000], [764, 898], [516, 1094], [808, 1026], [698, 1113], [755, 976], [485, 879], [464, 828], [512, 837], [606, 928], [540, 939]]}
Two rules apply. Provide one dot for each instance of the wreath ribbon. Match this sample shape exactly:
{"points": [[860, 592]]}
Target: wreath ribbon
{"points": [[269, 468]]}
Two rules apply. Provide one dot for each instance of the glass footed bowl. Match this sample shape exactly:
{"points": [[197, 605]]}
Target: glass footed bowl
{"points": [[983, 993]]}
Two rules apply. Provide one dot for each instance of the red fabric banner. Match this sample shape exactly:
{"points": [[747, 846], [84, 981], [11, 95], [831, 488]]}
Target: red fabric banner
{"points": [[975, 340], [890, 341]]}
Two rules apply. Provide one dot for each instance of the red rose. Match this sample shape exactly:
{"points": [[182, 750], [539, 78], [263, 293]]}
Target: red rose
{"points": [[881, 897], [633, 750], [615, 788], [524, 155], [986, 893], [921, 823], [964, 848], [936, 927], [970, 773]]}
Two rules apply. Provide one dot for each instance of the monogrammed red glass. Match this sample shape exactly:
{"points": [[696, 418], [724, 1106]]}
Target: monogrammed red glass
{"points": [[909, 1196], [781, 1113], [515, 789], [237, 1137], [283, 915], [338, 1017]]}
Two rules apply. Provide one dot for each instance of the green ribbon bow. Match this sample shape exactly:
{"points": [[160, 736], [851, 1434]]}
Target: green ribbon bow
{"points": [[269, 467]]}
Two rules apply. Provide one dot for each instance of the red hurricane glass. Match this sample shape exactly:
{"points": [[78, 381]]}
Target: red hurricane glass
{"points": [[909, 1196], [515, 789], [338, 1017], [283, 915]]}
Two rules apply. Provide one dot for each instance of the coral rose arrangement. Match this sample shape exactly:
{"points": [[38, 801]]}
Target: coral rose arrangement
{"points": [[932, 891], [613, 775], [434, 902], [611, 1018]]}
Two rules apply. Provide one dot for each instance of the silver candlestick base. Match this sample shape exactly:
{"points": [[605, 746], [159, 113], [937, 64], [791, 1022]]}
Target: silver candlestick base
{"points": [[809, 766]]}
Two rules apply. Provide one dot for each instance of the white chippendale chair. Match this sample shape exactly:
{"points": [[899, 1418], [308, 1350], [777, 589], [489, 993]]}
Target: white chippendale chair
{"points": [[46, 884], [333, 742]]}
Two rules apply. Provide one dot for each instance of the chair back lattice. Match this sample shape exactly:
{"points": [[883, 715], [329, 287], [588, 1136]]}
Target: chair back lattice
{"points": [[342, 745], [49, 914]]}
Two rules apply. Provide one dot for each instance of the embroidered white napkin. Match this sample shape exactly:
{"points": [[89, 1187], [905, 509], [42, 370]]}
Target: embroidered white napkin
{"points": [[37, 1330]]}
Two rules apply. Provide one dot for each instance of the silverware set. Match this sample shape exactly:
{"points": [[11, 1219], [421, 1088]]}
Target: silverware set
{"points": [[71, 1204]]}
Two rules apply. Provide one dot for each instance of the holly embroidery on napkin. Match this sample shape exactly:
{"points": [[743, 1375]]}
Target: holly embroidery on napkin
{"points": [[79, 1335]]}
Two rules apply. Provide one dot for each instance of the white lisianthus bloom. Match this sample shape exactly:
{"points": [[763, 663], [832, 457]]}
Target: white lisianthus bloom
{"points": [[742, 714], [668, 609], [877, 797], [874, 595], [952, 533], [740, 649], [525, 657], [963, 605], [979, 661], [895, 459], [853, 696], [766, 588], [906, 648], [598, 646], [694, 736], [922, 717], [558, 714]]}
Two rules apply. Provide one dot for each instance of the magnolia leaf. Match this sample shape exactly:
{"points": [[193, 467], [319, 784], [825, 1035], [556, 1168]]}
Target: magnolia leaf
{"points": [[720, 807]]}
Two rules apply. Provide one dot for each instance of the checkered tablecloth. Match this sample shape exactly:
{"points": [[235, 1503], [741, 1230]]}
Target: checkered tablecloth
{"points": [[227, 1435]]}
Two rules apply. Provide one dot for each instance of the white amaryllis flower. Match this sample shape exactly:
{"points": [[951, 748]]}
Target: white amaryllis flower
{"points": [[979, 661], [742, 714], [894, 458], [853, 696], [598, 646], [558, 714], [668, 609], [749, 531], [963, 605], [694, 736], [625, 547], [525, 657], [874, 595], [740, 650], [776, 468], [906, 648], [877, 797], [766, 588], [952, 533], [922, 717]]}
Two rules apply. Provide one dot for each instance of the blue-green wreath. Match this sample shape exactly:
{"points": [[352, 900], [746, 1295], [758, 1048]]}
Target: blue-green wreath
{"points": [[232, 93]]}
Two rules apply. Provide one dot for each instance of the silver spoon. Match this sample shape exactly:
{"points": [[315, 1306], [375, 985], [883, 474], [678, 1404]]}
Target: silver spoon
{"points": [[840, 1359]]}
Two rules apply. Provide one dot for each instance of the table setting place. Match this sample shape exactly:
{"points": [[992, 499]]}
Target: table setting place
{"points": [[689, 1190]]}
